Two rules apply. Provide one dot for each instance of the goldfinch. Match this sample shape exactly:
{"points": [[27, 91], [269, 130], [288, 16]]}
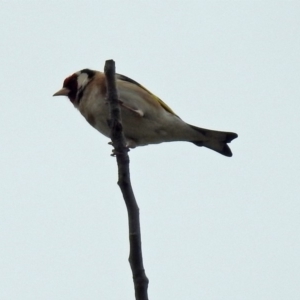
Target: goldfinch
{"points": [[146, 119]]}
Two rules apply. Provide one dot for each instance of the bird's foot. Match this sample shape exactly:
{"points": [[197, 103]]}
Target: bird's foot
{"points": [[115, 152]]}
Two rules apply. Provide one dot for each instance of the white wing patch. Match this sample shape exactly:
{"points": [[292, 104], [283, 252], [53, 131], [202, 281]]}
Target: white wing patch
{"points": [[137, 111]]}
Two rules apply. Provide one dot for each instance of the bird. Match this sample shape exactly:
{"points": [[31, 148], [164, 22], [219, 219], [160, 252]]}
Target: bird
{"points": [[146, 119]]}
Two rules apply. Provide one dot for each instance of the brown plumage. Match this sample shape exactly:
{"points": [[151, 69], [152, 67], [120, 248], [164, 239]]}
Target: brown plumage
{"points": [[146, 118]]}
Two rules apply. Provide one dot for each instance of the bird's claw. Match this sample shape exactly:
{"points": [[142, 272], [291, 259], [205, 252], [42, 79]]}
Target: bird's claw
{"points": [[115, 152]]}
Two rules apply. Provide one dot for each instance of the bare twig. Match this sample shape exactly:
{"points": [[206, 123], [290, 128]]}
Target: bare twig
{"points": [[135, 257]]}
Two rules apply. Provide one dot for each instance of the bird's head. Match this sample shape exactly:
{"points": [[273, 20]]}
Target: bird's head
{"points": [[75, 84]]}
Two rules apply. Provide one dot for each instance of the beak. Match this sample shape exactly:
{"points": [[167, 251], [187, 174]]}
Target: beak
{"points": [[62, 92]]}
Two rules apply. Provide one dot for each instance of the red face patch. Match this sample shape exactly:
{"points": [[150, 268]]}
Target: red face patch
{"points": [[71, 84]]}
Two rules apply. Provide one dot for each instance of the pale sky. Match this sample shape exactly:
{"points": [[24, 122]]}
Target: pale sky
{"points": [[213, 227]]}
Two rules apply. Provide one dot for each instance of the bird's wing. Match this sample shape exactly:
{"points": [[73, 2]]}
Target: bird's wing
{"points": [[135, 88]]}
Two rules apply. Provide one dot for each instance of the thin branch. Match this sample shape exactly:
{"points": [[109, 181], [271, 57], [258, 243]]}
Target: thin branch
{"points": [[121, 151]]}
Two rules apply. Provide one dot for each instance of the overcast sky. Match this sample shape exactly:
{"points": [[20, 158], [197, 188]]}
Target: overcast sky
{"points": [[213, 227]]}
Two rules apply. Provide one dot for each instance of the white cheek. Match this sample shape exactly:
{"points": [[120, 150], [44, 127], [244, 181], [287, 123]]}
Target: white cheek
{"points": [[82, 79]]}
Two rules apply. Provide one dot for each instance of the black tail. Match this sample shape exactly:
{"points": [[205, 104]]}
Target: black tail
{"points": [[217, 140]]}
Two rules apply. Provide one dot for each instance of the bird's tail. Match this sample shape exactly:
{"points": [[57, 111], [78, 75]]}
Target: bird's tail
{"points": [[217, 140]]}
